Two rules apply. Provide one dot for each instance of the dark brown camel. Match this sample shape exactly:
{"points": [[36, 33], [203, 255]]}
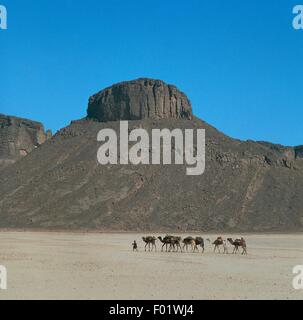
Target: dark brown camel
{"points": [[150, 241], [218, 242], [175, 244], [170, 242], [238, 243], [199, 242], [194, 243], [188, 241], [165, 242]]}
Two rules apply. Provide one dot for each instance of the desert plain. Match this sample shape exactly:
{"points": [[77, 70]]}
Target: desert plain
{"points": [[82, 265]]}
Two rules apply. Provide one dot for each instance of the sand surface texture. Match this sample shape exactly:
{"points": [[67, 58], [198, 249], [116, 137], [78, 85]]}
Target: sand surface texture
{"points": [[48, 265]]}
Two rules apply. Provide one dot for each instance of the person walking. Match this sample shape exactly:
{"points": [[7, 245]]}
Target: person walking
{"points": [[135, 246]]}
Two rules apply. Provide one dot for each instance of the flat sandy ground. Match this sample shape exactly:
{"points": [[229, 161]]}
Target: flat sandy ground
{"points": [[47, 265]]}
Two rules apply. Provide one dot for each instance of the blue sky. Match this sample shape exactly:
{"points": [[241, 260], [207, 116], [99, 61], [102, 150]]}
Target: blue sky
{"points": [[240, 62]]}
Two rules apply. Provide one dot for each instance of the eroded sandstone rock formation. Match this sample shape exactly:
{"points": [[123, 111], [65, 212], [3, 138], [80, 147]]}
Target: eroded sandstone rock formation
{"points": [[18, 137], [139, 99]]}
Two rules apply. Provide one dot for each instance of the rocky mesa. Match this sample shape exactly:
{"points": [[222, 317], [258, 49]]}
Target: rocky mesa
{"points": [[247, 185], [139, 99]]}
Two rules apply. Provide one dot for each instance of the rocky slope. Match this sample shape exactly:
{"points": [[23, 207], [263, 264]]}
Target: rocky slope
{"points": [[247, 186]]}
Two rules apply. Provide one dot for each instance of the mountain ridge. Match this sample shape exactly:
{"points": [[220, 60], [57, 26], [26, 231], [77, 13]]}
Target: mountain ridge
{"points": [[247, 186]]}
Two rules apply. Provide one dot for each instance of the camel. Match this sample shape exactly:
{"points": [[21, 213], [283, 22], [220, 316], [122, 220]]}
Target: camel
{"points": [[166, 241], [218, 242], [150, 241], [238, 243], [175, 243], [199, 242], [194, 243], [172, 241], [188, 241]]}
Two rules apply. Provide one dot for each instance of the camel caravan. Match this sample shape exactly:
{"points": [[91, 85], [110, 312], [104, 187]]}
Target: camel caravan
{"points": [[174, 244]]}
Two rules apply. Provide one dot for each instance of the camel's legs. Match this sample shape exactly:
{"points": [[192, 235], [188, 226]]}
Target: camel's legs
{"points": [[145, 246]]}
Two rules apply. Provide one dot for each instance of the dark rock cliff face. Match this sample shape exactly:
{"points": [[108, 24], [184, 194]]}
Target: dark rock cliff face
{"points": [[247, 185], [139, 99], [18, 137]]}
